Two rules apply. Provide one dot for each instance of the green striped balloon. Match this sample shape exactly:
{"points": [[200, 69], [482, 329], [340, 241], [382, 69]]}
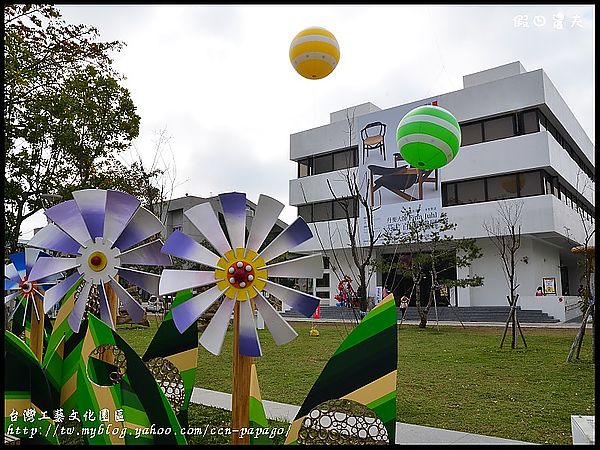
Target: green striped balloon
{"points": [[428, 137]]}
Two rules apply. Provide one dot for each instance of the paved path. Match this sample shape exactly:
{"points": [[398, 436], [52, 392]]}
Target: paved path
{"points": [[405, 433], [432, 323]]}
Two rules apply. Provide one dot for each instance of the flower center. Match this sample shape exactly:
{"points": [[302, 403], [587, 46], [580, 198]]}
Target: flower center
{"points": [[26, 287], [240, 274], [97, 261]]}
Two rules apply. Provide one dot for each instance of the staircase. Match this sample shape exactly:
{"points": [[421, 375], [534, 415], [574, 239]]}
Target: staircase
{"points": [[445, 313]]}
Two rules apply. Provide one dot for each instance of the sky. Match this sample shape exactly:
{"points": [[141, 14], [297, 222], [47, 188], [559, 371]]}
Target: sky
{"points": [[217, 81]]}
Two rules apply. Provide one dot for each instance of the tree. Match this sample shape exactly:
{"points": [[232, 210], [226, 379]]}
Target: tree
{"points": [[430, 250], [504, 231], [361, 241], [65, 113], [586, 262], [156, 180]]}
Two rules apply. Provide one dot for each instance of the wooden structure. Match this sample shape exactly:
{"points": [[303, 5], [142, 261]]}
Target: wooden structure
{"points": [[240, 398]]}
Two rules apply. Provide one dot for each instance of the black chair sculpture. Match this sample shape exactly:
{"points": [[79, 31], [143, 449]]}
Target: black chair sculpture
{"points": [[395, 179], [373, 137], [399, 179]]}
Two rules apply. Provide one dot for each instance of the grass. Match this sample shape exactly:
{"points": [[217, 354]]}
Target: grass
{"points": [[453, 378]]}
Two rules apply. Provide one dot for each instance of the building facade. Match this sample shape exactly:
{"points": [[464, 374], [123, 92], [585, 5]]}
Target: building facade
{"points": [[520, 144], [173, 217]]}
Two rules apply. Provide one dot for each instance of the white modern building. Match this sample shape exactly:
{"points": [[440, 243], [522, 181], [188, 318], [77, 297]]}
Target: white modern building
{"points": [[520, 143]]}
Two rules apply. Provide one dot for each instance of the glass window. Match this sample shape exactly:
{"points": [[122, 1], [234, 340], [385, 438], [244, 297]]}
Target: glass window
{"points": [[563, 194], [323, 164], [499, 128], [343, 160], [322, 211], [530, 183], [339, 209], [323, 282], [354, 207], [449, 193], [548, 182], [530, 122], [471, 134], [304, 211], [470, 191], [552, 130], [555, 190], [569, 149], [502, 187], [542, 120], [303, 168], [323, 294], [340, 206]]}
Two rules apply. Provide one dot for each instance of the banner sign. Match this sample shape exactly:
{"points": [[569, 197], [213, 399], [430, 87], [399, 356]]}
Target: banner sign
{"points": [[386, 179]]}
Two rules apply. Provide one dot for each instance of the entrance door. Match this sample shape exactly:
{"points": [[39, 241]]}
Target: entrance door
{"points": [[564, 280], [402, 284]]}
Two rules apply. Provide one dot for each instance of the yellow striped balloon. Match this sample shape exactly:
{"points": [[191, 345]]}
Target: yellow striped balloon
{"points": [[314, 53]]}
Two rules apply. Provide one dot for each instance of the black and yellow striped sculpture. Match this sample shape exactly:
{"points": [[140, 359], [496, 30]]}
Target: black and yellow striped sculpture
{"points": [[354, 399]]}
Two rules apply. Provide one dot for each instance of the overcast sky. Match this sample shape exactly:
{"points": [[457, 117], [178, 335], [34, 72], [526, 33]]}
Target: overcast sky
{"points": [[219, 79]]}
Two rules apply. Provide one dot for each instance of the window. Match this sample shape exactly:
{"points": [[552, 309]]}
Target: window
{"points": [[552, 130], [499, 128], [530, 122], [548, 182], [449, 194], [563, 194], [530, 183], [322, 211], [340, 207], [543, 121], [331, 210], [322, 164], [323, 282], [303, 168], [325, 262], [569, 150], [523, 184], [328, 162], [470, 191], [305, 211], [505, 186], [471, 133], [345, 159], [323, 294]]}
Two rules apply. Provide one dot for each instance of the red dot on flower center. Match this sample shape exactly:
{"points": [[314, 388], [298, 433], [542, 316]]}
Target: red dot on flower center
{"points": [[96, 260]]}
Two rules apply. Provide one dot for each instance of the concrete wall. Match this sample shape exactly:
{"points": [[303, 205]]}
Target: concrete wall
{"points": [[322, 139], [489, 99], [566, 118], [315, 188], [353, 111], [493, 74], [540, 214]]}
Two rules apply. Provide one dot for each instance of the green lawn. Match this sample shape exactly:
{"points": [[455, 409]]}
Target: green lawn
{"points": [[453, 378]]}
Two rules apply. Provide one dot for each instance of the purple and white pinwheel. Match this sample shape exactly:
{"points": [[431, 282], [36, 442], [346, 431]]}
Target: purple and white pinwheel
{"points": [[240, 272], [17, 276], [99, 231]]}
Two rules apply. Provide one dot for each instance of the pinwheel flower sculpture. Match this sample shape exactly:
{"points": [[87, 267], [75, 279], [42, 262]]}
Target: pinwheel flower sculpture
{"points": [[99, 230], [17, 279], [240, 272]]}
